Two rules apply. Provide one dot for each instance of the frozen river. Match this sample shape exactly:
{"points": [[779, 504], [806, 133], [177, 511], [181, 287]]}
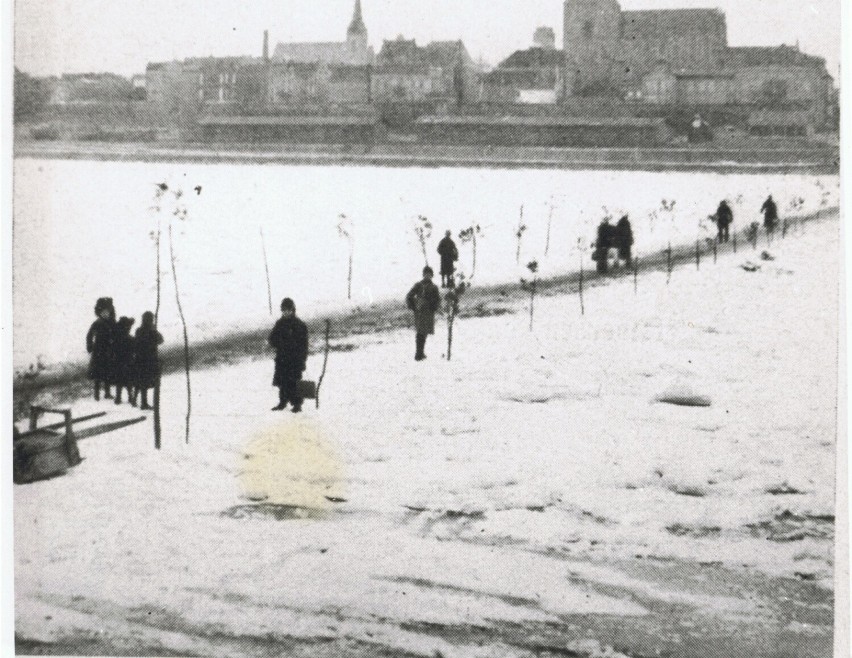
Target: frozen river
{"points": [[82, 230]]}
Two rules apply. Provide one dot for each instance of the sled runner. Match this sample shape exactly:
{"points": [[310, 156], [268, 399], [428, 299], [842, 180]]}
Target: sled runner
{"points": [[309, 390], [49, 451], [45, 452]]}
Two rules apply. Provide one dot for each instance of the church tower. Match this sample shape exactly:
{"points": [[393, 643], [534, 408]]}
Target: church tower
{"points": [[356, 35], [592, 36]]}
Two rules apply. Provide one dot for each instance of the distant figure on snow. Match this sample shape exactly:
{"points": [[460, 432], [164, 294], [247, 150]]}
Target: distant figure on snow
{"points": [[724, 219], [624, 239], [99, 341], [449, 255], [147, 364], [289, 337], [602, 245], [424, 299], [123, 359], [770, 214]]}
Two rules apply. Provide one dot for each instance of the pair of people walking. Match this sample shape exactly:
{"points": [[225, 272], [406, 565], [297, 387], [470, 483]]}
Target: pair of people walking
{"points": [[619, 237], [128, 362]]}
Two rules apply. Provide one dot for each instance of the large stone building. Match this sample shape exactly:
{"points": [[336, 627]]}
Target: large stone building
{"points": [[682, 57]]}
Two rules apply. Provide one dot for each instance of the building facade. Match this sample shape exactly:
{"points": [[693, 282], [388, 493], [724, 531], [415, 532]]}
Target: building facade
{"points": [[439, 71], [682, 57], [531, 76]]}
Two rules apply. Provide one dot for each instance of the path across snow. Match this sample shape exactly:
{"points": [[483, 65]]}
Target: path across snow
{"points": [[530, 484]]}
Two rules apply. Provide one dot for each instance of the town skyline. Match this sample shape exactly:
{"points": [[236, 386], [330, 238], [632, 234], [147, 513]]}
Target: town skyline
{"points": [[491, 29]]}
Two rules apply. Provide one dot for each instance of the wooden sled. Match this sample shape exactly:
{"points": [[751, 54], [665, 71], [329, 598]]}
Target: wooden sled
{"points": [[44, 452], [309, 390]]}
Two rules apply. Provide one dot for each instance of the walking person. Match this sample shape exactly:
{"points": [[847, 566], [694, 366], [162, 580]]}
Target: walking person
{"points": [[123, 360], [289, 337], [724, 219], [770, 215], [425, 300], [146, 366], [602, 245], [99, 343], [449, 255], [624, 239]]}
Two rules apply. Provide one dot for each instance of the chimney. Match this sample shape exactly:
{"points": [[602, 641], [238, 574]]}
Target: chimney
{"points": [[266, 45]]}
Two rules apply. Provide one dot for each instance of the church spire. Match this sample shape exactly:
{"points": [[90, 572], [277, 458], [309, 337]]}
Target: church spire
{"points": [[357, 25]]}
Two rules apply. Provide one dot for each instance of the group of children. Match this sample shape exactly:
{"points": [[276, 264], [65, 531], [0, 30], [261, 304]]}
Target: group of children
{"points": [[120, 359]]}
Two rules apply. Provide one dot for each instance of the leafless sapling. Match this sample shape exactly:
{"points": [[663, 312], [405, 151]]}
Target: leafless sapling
{"points": [[266, 268], [345, 230], [180, 213], [519, 234], [451, 300], [156, 235], [532, 266], [423, 231], [470, 234], [549, 223], [667, 206]]}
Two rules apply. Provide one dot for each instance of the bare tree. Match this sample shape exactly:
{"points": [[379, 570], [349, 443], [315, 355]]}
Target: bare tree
{"points": [[423, 231], [532, 266], [180, 213], [345, 230], [549, 222], [519, 233], [469, 235], [266, 267]]}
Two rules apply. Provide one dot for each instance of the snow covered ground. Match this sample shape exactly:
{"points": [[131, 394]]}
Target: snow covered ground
{"points": [[81, 231], [528, 497]]}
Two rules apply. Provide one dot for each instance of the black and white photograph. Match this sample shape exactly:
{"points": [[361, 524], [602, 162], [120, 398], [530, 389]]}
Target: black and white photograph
{"points": [[425, 329]]}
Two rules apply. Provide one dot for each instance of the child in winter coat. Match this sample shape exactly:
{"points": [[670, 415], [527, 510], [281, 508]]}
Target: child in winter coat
{"points": [[147, 364], [123, 363], [99, 341]]}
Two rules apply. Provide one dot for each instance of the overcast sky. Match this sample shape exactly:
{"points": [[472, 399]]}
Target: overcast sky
{"points": [[56, 36]]}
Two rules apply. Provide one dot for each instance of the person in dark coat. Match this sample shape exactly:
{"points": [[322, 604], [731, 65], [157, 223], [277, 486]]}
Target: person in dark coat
{"points": [[724, 219], [449, 255], [624, 239], [289, 337], [146, 367], [99, 341], [425, 300], [770, 214], [123, 356], [603, 244]]}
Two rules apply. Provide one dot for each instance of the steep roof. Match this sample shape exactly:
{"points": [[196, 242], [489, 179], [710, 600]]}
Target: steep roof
{"points": [[330, 52], [400, 51], [357, 25], [445, 53], [764, 56], [667, 21], [405, 53], [533, 58]]}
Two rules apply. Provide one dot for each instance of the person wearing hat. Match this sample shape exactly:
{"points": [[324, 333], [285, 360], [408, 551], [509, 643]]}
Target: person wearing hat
{"points": [[770, 214], [425, 300], [624, 240], [449, 255], [99, 342], [147, 362], [724, 219], [123, 357], [289, 337]]}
